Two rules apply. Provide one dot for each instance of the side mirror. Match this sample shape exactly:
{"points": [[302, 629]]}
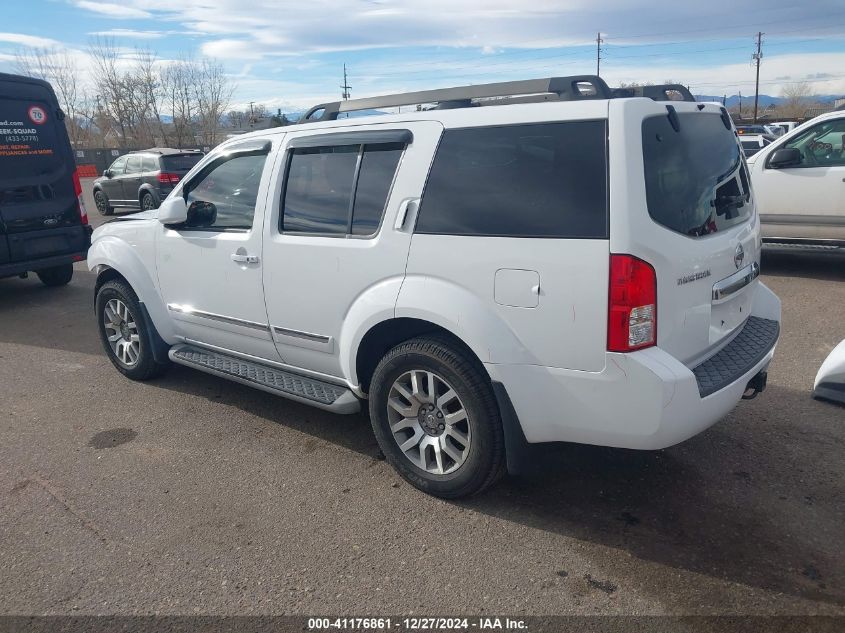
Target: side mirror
{"points": [[107, 173], [785, 157], [201, 214], [173, 210]]}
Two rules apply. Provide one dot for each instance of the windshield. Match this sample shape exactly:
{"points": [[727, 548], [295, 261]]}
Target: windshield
{"points": [[696, 179], [180, 162]]}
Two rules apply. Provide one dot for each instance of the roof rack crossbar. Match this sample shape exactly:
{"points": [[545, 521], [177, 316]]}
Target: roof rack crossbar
{"points": [[661, 92], [566, 88]]}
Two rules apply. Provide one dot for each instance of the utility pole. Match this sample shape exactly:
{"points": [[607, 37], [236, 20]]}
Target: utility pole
{"points": [[599, 42], [757, 58], [740, 105], [345, 87]]}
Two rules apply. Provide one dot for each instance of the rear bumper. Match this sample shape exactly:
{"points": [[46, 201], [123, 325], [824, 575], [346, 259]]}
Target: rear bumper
{"points": [[642, 400], [12, 269], [17, 268]]}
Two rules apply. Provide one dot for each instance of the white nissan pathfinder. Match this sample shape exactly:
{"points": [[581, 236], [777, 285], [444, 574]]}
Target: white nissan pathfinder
{"points": [[532, 261]]}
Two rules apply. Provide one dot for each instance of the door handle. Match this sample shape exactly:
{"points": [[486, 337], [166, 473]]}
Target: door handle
{"points": [[244, 259], [407, 208]]}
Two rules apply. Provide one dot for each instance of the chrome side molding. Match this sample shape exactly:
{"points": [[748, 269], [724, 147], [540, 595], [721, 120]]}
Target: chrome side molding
{"points": [[181, 309]]}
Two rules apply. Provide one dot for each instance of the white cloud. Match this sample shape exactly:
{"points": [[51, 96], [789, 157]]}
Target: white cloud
{"points": [[28, 40], [130, 34], [113, 10]]}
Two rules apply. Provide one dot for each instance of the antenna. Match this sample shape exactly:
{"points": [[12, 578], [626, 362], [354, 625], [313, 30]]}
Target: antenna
{"points": [[345, 87]]}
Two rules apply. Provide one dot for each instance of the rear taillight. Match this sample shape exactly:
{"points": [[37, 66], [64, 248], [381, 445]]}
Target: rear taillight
{"points": [[166, 178], [632, 311], [77, 190]]}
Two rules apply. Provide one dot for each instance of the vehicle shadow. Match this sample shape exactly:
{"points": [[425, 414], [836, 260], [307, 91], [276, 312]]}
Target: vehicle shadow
{"points": [[33, 314], [721, 504], [803, 264], [757, 499]]}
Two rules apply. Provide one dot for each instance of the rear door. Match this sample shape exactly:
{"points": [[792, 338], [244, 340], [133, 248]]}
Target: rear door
{"points": [[333, 237], [39, 211], [681, 201]]}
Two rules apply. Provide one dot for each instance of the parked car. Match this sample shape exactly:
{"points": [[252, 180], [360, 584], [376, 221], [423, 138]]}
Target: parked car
{"points": [[799, 182], [830, 380], [753, 143], [141, 180], [43, 224], [742, 130], [783, 127], [478, 277]]}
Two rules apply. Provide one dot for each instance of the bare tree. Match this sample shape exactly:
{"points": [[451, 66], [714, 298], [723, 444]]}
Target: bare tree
{"points": [[113, 89], [212, 91], [178, 80], [797, 96], [60, 69]]}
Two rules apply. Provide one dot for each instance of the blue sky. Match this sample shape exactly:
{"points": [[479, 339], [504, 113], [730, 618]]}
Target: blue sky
{"points": [[291, 54]]}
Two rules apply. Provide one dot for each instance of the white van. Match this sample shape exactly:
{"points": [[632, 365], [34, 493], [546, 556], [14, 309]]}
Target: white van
{"points": [[525, 261]]}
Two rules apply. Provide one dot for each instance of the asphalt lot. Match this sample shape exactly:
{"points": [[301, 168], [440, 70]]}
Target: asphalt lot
{"points": [[190, 494]]}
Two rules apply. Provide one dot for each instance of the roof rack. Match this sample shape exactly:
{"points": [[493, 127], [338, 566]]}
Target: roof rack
{"points": [[574, 88], [662, 92]]}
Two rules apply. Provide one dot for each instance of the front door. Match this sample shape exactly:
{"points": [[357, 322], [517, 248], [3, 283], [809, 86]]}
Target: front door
{"points": [[131, 181], [111, 185], [210, 267], [812, 193], [340, 231]]}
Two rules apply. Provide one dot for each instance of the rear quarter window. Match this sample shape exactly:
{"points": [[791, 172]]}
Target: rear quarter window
{"points": [[539, 180]]}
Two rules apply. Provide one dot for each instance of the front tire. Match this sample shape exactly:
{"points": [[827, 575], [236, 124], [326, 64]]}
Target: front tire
{"points": [[101, 201], [56, 276], [435, 418], [124, 333]]}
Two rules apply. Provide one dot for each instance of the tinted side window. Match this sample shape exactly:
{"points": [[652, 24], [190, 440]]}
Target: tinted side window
{"points": [[822, 145], [118, 165], [225, 197], [325, 184], [150, 163], [133, 165], [319, 188], [539, 180], [378, 166]]}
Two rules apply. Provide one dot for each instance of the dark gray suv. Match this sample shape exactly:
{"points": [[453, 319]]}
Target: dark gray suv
{"points": [[141, 180]]}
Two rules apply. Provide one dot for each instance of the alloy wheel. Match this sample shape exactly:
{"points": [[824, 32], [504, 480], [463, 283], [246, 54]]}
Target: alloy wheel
{"points": [[122, 332], [429, 422]]}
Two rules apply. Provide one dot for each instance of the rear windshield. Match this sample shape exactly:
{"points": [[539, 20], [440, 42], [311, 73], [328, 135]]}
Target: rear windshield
{"points": [[28, 139], [180, 162], [696, 179]]}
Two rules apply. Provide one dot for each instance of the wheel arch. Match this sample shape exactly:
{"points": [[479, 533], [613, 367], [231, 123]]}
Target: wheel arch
{"points": [[385, 335], [110, 258]]}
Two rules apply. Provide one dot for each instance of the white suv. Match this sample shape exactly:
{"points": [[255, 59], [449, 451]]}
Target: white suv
{"points": [[561, 264]]}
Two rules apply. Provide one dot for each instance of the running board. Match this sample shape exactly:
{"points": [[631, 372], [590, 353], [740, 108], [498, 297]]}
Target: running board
{"points": [[324, 395]]}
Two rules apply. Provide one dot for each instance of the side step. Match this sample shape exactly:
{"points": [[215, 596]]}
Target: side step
{"points": [[324, 395]]}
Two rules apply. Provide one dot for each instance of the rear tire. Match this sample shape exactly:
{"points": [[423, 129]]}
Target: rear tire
{"points": [[448, 443], [148, 202], [124, 333], [101, 201], [56, 276]]}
